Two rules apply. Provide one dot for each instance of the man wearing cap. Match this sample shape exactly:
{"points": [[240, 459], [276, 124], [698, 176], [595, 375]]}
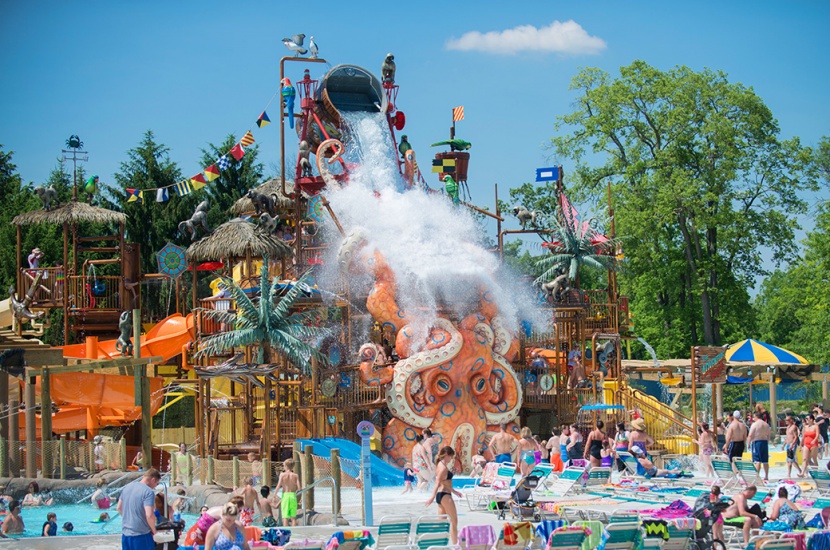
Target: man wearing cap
{"points": [[736, 435]]}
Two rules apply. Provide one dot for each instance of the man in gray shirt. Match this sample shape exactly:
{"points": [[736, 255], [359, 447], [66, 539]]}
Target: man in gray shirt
{"points": [[136, 507]]}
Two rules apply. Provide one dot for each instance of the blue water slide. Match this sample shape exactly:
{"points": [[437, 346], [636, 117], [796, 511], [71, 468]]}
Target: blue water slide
{"points": [[383, 473]]}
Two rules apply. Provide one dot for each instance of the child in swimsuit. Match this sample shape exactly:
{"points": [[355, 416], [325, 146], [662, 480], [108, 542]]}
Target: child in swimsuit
{"points": [[607, 455]]}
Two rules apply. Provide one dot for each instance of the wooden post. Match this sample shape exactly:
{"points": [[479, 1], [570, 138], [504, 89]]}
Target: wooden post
{"points": [[298, 463], [18, 262], [31, 428], [194, 301], [174, 467], [200, 422], [824, 392], [65, 284], [266, 472], [4, 457], [235, 471], [189, 475], [4, 423], [720, 401], [211, 475], [266, 420], [122, 454], [308, 479], [14, 439], [62, 455], [773, 405], [146, 421], [46, 422], [337, 476]]}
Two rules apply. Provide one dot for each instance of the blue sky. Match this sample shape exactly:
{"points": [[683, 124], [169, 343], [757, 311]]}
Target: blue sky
{"points": [[195, 71]]}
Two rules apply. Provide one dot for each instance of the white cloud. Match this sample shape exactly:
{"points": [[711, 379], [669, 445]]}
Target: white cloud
{"points": [[567, 38]]}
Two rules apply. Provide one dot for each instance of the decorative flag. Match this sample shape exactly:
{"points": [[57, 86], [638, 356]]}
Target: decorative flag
{"points": [[263, 120], [198, 181], [211, 172], [223, 163], [162, 195], [183, 188], [247, 140], [458, 113], [547, 174], [443, 166], [237, 152], [135, 195]]}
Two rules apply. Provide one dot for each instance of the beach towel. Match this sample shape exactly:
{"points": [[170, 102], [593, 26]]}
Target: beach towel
{"points": [[514, 533], [477, 535], [548, 526]]}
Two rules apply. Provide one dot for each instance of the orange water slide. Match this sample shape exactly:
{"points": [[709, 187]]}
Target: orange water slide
{"points": [[164, 340]]}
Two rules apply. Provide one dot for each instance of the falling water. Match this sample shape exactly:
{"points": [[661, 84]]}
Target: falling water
{"points": [[433, 247]]}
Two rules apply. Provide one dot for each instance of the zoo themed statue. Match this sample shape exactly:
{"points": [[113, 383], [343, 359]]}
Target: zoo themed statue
{"points": [[125, 325], [199, 218], [524, 215], [455, 144], [263, 203], [387, 70], [90, 188], [47, 196], [289, 93]]}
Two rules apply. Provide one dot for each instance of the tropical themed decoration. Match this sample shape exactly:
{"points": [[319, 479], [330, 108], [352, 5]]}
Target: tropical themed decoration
{"points": [[267, 322], [171, 260], [574, 244]]}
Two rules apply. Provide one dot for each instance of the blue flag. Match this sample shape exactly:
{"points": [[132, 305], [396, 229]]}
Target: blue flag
{"points": [[162, 195], [547, 174]]}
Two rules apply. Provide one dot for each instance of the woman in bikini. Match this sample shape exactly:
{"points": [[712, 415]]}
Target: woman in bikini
{"points": [[593, 445], [527, 448], [420, 460], [620, 444], [706, 442], [443, 492], [809, 449], [226, 534]]}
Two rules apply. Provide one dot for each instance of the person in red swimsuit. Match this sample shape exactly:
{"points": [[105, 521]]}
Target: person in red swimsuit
{"points": [[809, 449]]}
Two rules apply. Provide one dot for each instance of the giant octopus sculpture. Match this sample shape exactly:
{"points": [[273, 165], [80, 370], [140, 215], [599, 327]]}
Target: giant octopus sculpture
{"points": [[458, 382]]}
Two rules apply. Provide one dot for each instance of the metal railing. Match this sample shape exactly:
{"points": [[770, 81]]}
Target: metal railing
{"points": [[99, 293], [671, 429], [335, 505]]}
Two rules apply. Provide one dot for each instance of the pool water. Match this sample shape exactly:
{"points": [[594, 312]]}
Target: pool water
{"points": [[81, 516]]}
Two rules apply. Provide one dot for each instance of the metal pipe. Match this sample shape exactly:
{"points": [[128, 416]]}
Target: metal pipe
{"points": [[335, 510]]}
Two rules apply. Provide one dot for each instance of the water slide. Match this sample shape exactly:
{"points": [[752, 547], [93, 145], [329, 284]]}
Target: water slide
{"points": [[6, 313], [165, 340], [383, 473]]}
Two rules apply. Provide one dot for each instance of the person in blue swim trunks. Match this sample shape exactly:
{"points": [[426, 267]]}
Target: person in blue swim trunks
{"points": [[503, 445]]}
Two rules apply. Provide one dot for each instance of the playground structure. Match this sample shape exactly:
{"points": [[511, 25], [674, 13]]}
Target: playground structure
{"points": [[464, 364]]}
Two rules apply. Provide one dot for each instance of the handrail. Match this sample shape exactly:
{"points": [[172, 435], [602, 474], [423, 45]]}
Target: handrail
{"points": [[335, 508], [116, 490], [625, 397]]}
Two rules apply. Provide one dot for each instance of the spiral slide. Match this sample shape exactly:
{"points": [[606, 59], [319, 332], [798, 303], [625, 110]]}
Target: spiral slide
{"points": [[383, 474], [166, 340]]}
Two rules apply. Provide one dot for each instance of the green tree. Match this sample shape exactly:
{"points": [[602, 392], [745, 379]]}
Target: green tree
{"points": [[267, 323], [701, 183]]}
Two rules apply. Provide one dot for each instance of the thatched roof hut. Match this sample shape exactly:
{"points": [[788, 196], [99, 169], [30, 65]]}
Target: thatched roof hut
{"points": [[270, 187], [236, 239], [72, 213]]}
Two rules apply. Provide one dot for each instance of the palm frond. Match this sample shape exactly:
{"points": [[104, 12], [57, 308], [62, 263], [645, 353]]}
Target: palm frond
{"points": [[221, 315], [284, 307], [213, 345], [244, 304]]}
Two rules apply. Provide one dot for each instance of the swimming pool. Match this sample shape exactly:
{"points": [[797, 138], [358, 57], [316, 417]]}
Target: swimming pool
{"points": [[81, 518]]}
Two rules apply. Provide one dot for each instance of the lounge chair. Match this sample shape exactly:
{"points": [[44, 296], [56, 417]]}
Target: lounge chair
{"points": [[727, 476], [479, 497], [597, 477], [566, 539], [747, 471], [821, 477], [624, 536], [569, 482], [394, 531], [679, 539], [515, 536], [432, 540], [624, 516], [429, 525], [630, 466]]}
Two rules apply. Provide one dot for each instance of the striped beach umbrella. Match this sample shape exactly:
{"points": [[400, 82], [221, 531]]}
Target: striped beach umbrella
{"points": [[761, 352]]}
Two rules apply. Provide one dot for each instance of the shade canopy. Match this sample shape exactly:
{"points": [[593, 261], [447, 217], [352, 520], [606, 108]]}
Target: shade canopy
{"points": [[761, 352], [72, 213], [236, 239]]}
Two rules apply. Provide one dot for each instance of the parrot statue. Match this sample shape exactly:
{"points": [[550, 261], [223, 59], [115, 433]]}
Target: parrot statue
{"points": [[91, 187], [404, 146], [452, 189], [455, 144], [288, 95]]}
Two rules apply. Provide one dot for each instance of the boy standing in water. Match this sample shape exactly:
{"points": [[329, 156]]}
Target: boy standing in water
{"points": [[290, 484], [265, 508]]}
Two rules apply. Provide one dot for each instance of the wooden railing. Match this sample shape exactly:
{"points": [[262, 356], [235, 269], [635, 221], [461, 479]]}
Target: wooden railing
{"points": [[50, 288], [84, 294], [352, 392], [208, 325]]}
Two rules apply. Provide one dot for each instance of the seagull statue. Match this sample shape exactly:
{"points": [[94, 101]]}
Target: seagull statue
{"points": [[295, 44], [312, 47]]}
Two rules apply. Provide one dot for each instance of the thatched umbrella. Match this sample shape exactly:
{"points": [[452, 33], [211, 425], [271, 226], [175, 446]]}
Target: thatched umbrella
{"points": [[237, 238], [270, 187], [70, 213]]}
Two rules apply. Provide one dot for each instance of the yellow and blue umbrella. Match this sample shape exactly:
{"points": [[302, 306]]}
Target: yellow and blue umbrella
{"points": [[761, 352]]}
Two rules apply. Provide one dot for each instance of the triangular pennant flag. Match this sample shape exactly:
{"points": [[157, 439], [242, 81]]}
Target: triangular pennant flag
{"points": [[182, 188], [199, 177], [248, 139], [211, 172], [263, 120], [135, 195], [237, 152], [196, 184], [162, 195], [223, 163]]}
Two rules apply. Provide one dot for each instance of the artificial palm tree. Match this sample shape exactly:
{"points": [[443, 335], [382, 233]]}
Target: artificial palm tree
{"points": [[267, 323], [572, 245]]}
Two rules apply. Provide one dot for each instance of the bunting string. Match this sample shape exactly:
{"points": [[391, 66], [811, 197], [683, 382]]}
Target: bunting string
{"points": [[210, 173]]}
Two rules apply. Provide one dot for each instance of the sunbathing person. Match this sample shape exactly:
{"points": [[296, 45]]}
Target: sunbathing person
{"points": [[650, 469]]}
